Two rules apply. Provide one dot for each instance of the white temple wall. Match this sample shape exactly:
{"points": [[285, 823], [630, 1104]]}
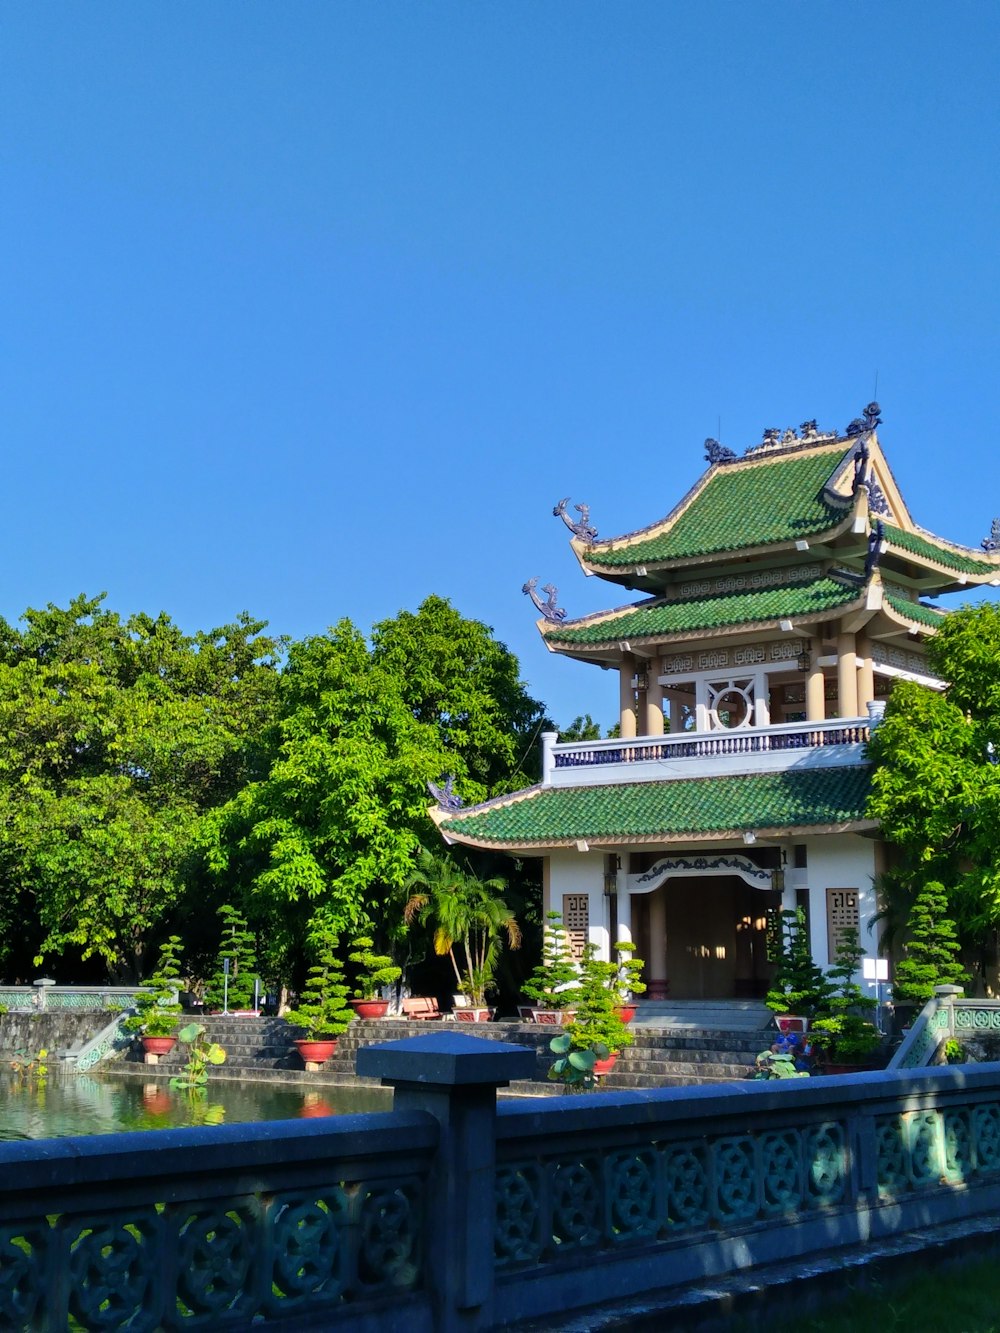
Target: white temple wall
{"points": [[572, 875], [839, 861]]}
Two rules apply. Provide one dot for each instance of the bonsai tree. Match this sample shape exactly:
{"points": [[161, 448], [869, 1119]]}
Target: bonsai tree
{"points": [[553, 983], [799, 985], [323, 1011], [597, 1031], [239, 947], [931, 957], [470, 919], [157, 1008], [374, 970], [846, 1029], [629, 981]]}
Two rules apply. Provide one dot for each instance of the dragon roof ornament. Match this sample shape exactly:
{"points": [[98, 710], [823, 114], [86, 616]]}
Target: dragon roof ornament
{"points": [[992, 542], [446, 797], [866, 423], [549, 608], [582, 527]]}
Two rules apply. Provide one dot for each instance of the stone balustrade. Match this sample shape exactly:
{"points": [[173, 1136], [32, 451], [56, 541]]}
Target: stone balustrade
{"points": [[784, 745], [458, 1214]]}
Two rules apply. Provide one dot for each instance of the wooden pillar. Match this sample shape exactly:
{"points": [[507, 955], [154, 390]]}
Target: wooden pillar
{"points": [[866, 674], [847, 676], [626, 695], [815, 691], [653, 721], [658, 986]]}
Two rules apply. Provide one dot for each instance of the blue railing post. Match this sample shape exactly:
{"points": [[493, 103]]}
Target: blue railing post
{"points": [[455, 1078]]}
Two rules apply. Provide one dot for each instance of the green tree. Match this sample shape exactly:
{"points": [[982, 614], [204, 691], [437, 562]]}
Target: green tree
{"points": [[931, 957], [338, 821], [936, 786], [117, 737]]}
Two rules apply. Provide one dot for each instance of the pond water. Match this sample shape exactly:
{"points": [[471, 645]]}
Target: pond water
{"points": [[66, 1104]]}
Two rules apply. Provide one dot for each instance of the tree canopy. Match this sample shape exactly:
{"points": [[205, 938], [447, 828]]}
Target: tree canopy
{"points": [[936, 787], [116, 738], [366, 724]]}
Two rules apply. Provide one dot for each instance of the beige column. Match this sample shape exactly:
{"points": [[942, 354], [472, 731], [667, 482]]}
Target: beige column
{"points": [[847, 676], [815, 691], [676, 715], [626, 696], [653, 721], [658, 985], [866, 674]]}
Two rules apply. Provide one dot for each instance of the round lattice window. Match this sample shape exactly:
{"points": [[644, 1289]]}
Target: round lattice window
{"points": [[731, 703]]}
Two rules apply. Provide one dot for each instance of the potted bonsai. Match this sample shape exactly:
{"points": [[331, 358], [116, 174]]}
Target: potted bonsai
{"points": [[158, 1008], [844, 1035], [597, 1030], [931, 954], [375, 970], [234, 990], [553, 983], [628, 983], [323, 1012], [800, 988]]}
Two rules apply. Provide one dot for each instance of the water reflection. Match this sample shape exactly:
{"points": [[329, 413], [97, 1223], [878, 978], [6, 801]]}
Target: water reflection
{"points": [[67, 1104]]}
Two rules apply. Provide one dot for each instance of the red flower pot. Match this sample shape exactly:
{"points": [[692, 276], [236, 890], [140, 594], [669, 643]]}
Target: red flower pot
{"points": [[315, 1051], [158, 1045], [370, 1008], [626, 1013], [606, 1065]]}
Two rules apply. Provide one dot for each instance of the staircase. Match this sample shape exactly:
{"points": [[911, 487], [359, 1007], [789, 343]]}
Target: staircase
{"points": [[683, 1054]]}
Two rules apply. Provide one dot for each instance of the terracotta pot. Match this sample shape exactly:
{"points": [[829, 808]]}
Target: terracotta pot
{"points": [[605, 1066], [473, 1015], [158, 1045], [314, 1050], [627, 1012], [370, 1008], [314, 1104]]}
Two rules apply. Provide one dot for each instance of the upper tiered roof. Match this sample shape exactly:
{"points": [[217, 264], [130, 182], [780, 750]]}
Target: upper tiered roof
{"points": [[802, 526]]}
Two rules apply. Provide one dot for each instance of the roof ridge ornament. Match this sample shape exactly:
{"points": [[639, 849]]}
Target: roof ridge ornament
{"points": [[548, 608], [992, 542], [784, 441], [866, 423], [718, 453], [446, 797], [582, 528]]}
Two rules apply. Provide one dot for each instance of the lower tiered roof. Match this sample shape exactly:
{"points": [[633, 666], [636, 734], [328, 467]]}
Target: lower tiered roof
{"points": [[678, 810]]}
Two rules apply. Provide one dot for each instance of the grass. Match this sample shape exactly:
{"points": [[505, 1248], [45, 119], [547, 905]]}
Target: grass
{"points": [[955, 1297]]}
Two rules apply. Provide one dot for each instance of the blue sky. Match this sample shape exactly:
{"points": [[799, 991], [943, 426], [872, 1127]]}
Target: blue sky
{"points": [[315, 308]]}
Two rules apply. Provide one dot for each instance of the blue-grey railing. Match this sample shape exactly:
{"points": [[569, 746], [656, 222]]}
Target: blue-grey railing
{"points": [[90, 999], [455, 1214], [946, 1015]]}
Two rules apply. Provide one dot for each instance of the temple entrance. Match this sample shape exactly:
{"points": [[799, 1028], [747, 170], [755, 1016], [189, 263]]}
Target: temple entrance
{"points": [[716, 936]]}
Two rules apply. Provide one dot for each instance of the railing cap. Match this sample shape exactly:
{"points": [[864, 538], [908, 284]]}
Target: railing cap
{"points": [[945, 991], [448, 1059]]}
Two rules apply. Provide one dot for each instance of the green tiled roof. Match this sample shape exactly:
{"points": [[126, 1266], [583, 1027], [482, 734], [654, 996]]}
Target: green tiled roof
{"points": [[775, 501], [925, 615], [702, 613], [938, 552], [552, 815]]}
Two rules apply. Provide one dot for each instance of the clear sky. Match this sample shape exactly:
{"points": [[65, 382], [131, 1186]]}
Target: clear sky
{"points": [[314, 308]]}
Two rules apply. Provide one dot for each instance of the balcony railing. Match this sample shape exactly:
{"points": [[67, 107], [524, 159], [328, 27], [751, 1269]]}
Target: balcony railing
{"points": [[779, 746]]}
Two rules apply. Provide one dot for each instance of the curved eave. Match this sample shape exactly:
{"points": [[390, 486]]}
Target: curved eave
{"points": [[768, 623], [628, 575], [540, 847], [894, 608], [678, 810], [940, 560]]}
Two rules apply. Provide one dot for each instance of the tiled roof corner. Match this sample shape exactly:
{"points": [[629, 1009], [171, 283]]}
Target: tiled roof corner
{"points": [[647, 811]]}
